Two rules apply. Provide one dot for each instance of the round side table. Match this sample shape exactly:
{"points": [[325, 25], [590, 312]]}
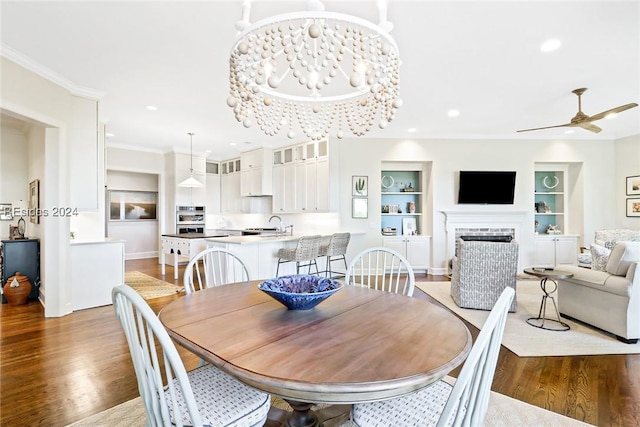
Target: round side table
{"points": [[548, 285]]}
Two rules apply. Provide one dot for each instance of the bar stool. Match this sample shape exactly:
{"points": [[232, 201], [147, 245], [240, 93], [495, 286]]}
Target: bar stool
{"points": [[304, 255], [335, 251]]}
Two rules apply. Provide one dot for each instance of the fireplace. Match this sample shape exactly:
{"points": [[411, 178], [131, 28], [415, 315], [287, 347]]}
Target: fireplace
{"points": [[483, 225]]}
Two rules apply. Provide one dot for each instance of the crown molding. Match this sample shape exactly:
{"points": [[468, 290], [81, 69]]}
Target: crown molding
{"points": [[44, 72]]}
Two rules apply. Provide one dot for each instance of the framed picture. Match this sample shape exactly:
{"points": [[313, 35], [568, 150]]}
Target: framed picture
{"points": [[133, 205], [409, 227], [633, 185], [359, 186], [633, 207], [360, 208], [34, 201], [6, 213]]}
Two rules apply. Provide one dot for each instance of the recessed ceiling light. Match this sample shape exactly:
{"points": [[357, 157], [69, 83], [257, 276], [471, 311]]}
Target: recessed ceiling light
{"points": [[411, 130], [152, 107], [207, 151], [233, 144], [453, 113], [109, 135], [550, 45], [568, 131]]}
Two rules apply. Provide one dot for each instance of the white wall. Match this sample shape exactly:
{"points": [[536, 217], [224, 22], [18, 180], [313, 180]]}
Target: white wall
{"points": [[595, 159], [141, 237], [14, 187], [47, 108], [627, 164]]}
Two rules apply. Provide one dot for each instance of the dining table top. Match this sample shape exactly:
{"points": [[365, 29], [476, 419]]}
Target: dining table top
{"points": [[358, 345]]}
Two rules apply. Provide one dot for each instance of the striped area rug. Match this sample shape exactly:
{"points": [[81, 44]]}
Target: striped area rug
{"points": [[150, 287]]}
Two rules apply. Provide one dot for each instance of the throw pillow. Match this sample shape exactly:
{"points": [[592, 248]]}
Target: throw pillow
{"points": [[622, 255], [599, 257]]}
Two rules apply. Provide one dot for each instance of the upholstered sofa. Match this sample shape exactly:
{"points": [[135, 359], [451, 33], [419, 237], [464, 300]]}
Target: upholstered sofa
{"points": [[610, 299], [480, 272], [596, 255]]}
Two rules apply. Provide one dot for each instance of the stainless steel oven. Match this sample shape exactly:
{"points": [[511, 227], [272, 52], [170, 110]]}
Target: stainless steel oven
{"points": [[190, 219]]}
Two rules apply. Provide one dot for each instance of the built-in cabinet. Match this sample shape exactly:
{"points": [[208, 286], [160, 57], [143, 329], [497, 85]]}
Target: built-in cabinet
{"points": [[401, 197], [301, 178], [213, 188], [553, 250], [230, 196], [256, 173], [550, 199], [21, 256], [414, 248], [552, 245]]}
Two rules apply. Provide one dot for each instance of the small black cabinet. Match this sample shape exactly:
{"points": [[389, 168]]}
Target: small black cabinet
{"points": [[24, 256]]}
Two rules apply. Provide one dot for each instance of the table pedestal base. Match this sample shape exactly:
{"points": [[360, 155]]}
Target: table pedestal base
{"points": [[302, 415], [323, 415], [539, 322]]}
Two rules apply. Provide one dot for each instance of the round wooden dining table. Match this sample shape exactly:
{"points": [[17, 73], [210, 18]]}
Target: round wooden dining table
{"points": [[359, 345]]}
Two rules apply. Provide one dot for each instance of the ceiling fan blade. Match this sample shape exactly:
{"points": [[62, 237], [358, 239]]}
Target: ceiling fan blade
{"points": [[611, 111], [589, 126], [546, 127]]}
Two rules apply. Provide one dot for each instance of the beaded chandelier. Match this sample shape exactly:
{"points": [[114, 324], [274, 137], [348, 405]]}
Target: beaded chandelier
{"points": [[314, 73]]}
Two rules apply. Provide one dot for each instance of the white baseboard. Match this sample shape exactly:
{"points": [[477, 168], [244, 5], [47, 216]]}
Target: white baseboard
{"points": [[438, 271], [141, 255]]}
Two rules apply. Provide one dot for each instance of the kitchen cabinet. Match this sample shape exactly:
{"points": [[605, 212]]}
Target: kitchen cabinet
{"points": [[213, 188], [230, 198], [21, 256], [301, 179], [552, 250], [256, 174], [414, 248]]}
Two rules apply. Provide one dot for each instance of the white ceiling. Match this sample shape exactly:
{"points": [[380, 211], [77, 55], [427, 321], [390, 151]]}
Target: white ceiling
{"points": [[482, 58]]}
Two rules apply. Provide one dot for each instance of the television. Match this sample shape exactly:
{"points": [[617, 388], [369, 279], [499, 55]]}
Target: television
{"points": [[486, 187]]}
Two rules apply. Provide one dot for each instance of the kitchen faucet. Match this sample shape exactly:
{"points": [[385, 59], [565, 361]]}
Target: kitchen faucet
{"points": [[279, 229]]}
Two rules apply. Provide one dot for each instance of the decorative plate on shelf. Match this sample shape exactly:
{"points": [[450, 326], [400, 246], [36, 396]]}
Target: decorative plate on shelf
{"points": [[300, 291]]}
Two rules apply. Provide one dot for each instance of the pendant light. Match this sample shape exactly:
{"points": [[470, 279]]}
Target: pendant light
{"points": [[191, 181]]}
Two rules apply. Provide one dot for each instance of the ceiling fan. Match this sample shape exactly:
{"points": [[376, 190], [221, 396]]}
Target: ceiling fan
{"points": [[584, 121]]}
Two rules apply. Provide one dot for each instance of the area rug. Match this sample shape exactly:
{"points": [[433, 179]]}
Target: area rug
{"points": [[150, 287], [503, 412], [528, 341]]}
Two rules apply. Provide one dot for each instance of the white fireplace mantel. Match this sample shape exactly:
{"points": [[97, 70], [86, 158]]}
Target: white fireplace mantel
{"points": [[482, 219]]}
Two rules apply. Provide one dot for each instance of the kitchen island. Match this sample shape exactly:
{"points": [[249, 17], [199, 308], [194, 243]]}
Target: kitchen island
{"points": [[183, 245], [259, 253]]}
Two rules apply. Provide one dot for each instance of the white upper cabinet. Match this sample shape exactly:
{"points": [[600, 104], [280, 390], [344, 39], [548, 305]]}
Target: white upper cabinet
{"points": [[301, 178], [256, 174]]}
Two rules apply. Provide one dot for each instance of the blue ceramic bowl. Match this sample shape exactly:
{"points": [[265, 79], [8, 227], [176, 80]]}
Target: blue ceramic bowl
{"points": [[301, 291]]}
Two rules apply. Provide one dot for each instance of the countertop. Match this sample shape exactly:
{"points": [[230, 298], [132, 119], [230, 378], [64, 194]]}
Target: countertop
{"points": [[254, 239], [94, 241], [194, 235]]}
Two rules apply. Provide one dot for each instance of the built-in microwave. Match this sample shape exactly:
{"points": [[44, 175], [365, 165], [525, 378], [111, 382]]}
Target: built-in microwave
{"points": [[190, 219]]}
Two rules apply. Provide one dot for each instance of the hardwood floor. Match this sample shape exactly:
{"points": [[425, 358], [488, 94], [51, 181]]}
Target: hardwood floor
{"points": [[54, 371]]}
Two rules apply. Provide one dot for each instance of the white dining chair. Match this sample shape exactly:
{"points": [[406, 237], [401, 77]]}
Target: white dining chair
{"points": [[463, 404], [214, 267], [383, 269], [171, 395]]}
